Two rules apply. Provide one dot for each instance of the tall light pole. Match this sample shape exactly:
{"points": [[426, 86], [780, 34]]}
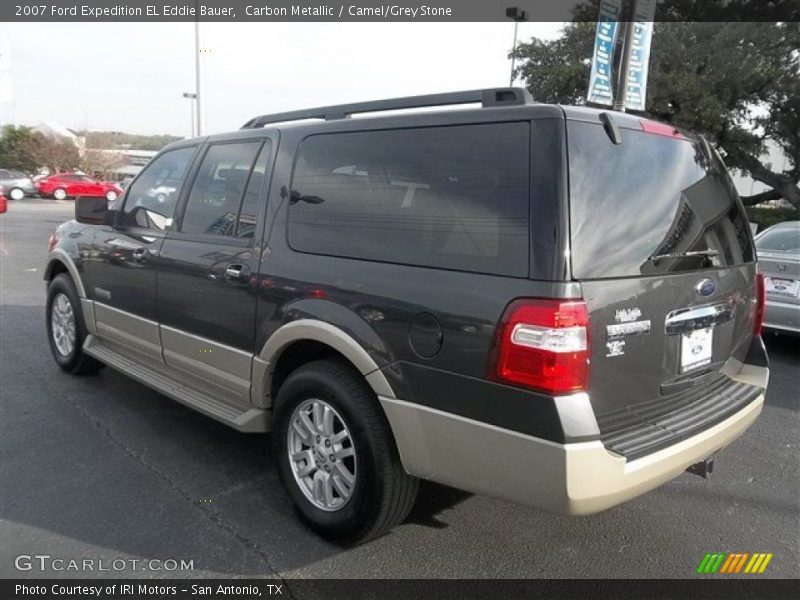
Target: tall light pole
{"points": [[198, 71], [624, 65], [516, 14], [192, 98]]}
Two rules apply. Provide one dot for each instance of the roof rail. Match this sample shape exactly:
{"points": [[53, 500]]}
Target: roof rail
{"points": [[487, 98]]}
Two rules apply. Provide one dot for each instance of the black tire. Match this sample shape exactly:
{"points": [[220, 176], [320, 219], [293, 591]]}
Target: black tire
{"points": [[76, 362], [383, 493]]}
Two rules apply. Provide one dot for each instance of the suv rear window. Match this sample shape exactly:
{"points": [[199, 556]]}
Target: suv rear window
{"points": [[448, 197], [651, 195]]}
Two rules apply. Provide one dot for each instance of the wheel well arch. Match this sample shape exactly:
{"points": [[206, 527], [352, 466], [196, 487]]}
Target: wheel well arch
{"points": [[55, 267], [305, 340], [297, 354], [61, 262]]}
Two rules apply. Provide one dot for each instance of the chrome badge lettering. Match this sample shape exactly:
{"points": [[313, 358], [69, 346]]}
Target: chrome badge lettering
{"points": [[623, 329], [615, 348], [626, 315]]}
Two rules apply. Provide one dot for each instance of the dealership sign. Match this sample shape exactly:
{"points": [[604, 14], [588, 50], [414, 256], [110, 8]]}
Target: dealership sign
{"points": [[631, 84], [601, 89], [639, 49]]}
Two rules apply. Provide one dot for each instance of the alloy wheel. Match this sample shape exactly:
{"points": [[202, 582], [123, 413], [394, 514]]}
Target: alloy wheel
{"points": [[321, 454], [62, 324]]}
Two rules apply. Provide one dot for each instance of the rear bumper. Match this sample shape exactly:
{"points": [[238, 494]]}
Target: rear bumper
{"points": [[575, 479], [783, 316]]}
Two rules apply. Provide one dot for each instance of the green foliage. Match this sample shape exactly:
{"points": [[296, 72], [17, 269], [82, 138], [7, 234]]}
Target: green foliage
{"points": [[767, 217], [738, 83], [15, 149]]}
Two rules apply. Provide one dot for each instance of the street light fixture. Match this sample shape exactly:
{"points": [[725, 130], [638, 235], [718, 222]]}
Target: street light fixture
{"points": [[516, 14], [192, 98]]}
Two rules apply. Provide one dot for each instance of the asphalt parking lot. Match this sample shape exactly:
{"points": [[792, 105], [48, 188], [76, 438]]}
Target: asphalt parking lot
{"points": [[104, 468]]}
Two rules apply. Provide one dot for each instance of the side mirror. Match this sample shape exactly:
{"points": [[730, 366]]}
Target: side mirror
{"points": [[92, 210]]}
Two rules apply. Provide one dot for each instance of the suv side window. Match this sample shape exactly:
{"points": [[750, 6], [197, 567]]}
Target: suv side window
{"points": [[150, 201], [453, 197], [218, 189]]}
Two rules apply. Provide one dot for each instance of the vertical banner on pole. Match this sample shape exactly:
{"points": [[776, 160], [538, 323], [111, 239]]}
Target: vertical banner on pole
{"points": [[601, 90], [636, 77]]}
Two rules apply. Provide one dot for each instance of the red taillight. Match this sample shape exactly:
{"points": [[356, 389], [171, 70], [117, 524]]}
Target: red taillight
{"points": [[51, 243], [544, 345], [657, 128], [761, 300]]}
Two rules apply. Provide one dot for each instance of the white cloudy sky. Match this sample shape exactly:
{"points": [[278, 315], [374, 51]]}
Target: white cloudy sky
{"points": [[130, 77]]}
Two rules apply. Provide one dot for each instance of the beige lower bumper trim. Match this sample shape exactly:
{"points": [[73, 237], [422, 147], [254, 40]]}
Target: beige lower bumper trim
{"points": [[580, 478]]}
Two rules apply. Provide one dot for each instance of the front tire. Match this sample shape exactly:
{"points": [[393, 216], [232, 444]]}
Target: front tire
{"points": [[16, 194], [66, 329], [111, 195], [336, 454], [60, 194]]}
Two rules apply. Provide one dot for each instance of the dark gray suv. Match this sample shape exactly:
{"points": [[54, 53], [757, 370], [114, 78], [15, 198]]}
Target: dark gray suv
{"points": [[558, 306]]}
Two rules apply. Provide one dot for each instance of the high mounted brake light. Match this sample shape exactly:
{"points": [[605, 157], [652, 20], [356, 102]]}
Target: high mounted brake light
{"points": [[657, 128], [543, 344]]}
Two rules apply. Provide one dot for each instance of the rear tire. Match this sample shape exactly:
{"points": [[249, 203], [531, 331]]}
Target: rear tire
{"points": [[16, 194], [66, 329], [381, 494], [111, 195], [60, 194]]}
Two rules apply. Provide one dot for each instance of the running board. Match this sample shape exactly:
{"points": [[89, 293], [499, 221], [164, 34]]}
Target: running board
{"points": [[251, 420]]}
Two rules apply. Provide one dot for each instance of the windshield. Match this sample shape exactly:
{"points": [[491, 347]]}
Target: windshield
{"points": [[650, 205], [782, 239]]}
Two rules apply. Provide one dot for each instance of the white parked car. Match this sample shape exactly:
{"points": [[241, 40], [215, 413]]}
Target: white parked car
{"points": [[779, 260]]}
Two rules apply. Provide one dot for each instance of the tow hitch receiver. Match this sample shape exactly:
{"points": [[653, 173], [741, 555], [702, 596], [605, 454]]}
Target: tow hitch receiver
{"points": [[703, 468]]}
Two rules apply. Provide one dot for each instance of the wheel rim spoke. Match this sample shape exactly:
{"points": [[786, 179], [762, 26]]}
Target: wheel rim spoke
{"points": [[341, 486], [301, 426], [344, 452], [345, 474], [327, 421]]}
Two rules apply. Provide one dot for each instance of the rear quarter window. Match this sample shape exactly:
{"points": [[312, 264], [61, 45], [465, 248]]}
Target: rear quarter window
{"points": [[447, 197], [651, 195]]}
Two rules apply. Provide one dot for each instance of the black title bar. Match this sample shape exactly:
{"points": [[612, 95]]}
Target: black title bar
{"points": [[709, 588], [376, 11]]}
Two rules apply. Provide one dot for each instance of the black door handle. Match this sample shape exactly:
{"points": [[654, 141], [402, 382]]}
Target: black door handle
{"points": [[237, 273], [140, 254]]}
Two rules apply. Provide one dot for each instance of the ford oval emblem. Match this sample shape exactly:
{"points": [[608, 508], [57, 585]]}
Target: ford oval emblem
{"points": [[706, 287]]}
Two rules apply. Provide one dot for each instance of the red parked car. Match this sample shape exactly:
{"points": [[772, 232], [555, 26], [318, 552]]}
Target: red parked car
{"points": [[71, 185], [3, 201]]}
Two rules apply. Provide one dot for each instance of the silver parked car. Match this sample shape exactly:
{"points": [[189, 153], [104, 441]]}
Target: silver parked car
{"points": [[779, 260], [17, 184]]}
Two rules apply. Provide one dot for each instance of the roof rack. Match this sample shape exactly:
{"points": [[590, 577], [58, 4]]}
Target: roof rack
{"points": [[489, 97]]}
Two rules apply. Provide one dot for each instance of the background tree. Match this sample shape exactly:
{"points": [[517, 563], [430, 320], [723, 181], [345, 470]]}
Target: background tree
{"points": [[55, 154], [26, 150], [99, 163], [738, 83], [15, 149]]}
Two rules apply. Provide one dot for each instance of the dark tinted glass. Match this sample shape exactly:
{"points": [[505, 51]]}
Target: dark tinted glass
{"points": [[249, 212], [650, 196], [218, 188], [150, 202], [447, 197]]}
